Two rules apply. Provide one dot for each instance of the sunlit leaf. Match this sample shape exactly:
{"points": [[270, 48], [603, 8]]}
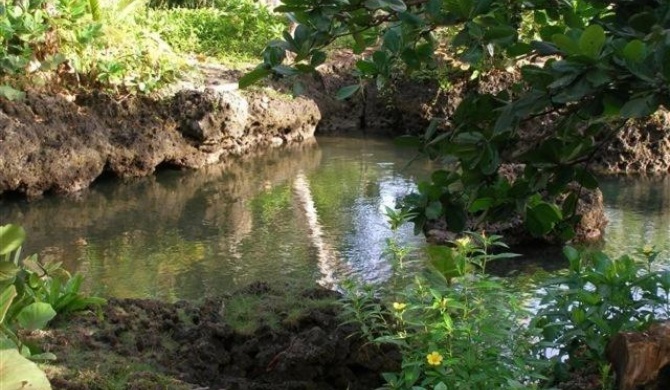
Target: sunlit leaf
{"points": [[592, 40], [35, 316], [253, 76], [11, 238], [17, 372]]}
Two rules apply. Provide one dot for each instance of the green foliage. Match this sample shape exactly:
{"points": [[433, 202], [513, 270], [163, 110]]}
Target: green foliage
{"points": [[17, 372], [86, 42], [235, 29], [459, 328], [594, 65], [31, 295], [455, 330], [596, 298]]}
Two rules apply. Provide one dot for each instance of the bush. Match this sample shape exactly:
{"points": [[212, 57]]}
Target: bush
{"points": [[239, 30], [457, 329], [83, 42]]}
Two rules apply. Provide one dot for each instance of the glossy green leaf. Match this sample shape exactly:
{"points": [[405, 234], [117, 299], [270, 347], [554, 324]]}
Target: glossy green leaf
{"points": [[565, 43], [541, 218], [586, 179], [366, 67], [17, 372], [434, 210], [592, 40], [11, 238], [35, 316], [253, 76], [347, 92], [635, 51], [481, 204], [639, 107], [392, 40]]}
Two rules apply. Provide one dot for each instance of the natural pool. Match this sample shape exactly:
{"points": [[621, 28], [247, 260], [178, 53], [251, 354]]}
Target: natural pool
{"points": [[308, 213]]}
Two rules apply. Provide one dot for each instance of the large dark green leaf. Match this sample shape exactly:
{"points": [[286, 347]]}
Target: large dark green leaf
{"points": [[434, 210], [456, 217], [639, 107], [348, 91], [592, 40], [253, 76], [541, 218]]}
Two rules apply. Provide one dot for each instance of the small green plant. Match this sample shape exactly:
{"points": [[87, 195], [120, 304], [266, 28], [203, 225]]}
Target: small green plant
{"points": [[596, 298], [30, 299], [457, 328]]}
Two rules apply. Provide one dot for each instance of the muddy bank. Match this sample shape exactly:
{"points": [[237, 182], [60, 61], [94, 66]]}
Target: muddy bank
{"points": [[61, 144], [143, 344]]}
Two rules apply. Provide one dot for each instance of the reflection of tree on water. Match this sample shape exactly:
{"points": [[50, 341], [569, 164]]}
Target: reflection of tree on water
{"points": [[328, 258], [638, 210]]}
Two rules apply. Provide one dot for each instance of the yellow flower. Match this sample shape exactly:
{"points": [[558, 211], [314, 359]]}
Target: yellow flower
{"points": [[434, 358], [463, 242], [399, 306], [647, 250]]}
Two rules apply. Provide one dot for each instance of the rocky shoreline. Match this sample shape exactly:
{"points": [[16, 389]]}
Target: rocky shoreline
{"points": [[60, 144], [53, 143]]}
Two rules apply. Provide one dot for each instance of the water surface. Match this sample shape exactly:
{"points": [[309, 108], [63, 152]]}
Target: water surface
{"points": [[308, 213]]}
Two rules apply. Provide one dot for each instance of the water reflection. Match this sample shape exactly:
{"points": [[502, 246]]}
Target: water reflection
{"points": [[638, 209], [296, 214], [304, 214]]}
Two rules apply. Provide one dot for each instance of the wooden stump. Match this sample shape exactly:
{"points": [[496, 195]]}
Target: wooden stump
{"points": [[641, 360]]}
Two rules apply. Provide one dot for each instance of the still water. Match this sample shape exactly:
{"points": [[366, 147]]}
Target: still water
{"points": [[308, 213]]}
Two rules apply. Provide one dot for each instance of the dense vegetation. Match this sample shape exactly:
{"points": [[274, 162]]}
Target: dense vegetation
{"points": [[461, 328], [587, 67], [122, 45]]}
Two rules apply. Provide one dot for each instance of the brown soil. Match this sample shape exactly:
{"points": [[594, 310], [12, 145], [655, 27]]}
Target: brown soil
{"points": [[144, 344]]}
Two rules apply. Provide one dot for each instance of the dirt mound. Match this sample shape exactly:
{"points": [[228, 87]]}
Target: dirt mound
{"points": [[144, 344]]}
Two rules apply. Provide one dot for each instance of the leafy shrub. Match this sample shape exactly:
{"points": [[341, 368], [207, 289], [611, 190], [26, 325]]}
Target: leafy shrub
{"points": [[596, 298], [457, 329], [31, 295], [239, 29], [83, 42]]}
